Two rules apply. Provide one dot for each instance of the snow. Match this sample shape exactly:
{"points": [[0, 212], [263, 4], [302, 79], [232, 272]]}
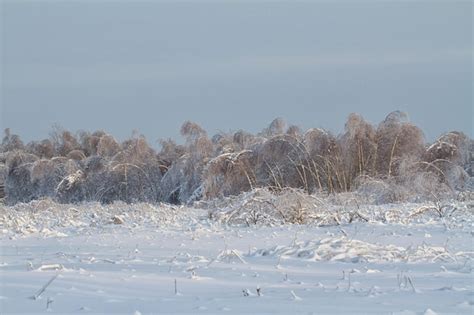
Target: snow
{"points": [[142, 259]]}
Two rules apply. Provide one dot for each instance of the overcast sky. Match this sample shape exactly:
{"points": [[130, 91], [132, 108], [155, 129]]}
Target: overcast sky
{"points": [[149, 66]]}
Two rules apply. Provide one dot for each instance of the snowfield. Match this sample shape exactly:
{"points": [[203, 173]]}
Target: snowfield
{"points": [[149, 259]]}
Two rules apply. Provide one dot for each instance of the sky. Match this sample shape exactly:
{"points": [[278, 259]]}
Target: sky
{"points": [[149, 66]]}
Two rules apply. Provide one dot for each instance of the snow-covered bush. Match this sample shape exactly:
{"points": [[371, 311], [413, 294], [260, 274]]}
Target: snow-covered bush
{"points": [[263, 206]]}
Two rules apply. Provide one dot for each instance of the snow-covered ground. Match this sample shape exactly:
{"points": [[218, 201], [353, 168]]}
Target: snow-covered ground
{"points": [[143, 259]]}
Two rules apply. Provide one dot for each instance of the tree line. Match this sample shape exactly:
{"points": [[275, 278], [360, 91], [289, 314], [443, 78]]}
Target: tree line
{"points": [[95, 166]]}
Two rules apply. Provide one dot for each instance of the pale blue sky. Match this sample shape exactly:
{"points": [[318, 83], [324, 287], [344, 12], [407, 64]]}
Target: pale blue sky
{"points": [[125, 65]]}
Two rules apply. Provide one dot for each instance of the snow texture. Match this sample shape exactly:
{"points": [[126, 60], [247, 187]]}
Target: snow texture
{"points": [[147, 259]]}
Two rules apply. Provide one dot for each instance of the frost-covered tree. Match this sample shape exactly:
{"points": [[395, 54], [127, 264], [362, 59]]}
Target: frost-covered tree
{"points": [[323, 161], [450, 156], [63, 141], [137, 169], [276, 127], [229, 174], [43, 149], [279, 162], [18, 184], [183, 181], [89, 142], [358, 145], [397, 139], [11, 142], [107, 146]]}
